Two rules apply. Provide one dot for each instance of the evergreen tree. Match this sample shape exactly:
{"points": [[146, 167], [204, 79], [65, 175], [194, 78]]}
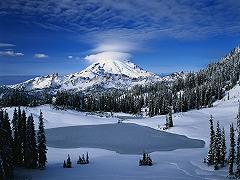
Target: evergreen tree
{"points": [[231, 150], [217, 147], [42, 149], [2, 173], [31, 155], [238, 118], [15, 135], [5, 124], [64, 164], [18, 156], [69, 163], [223, 149], [14, 120], [167, 121], [5, 146], [23, 134], [210, 156], [238, 156], [170, 120], [87, 159]]}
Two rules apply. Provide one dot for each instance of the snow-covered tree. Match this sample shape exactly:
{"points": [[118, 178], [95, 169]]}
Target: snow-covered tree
{"points": [[231, 151], [211, 150], [238, 118], [68, 163], [217, 147], [6, 158], [237, 173], [31, 154], [170, 119], [223, 149], [41, 139]]}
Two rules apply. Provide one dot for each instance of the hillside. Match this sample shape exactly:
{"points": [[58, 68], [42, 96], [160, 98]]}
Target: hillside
{"points": [[181, 163]]}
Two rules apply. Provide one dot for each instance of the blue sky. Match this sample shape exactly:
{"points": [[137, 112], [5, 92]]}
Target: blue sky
{"points": [[39, 37]]}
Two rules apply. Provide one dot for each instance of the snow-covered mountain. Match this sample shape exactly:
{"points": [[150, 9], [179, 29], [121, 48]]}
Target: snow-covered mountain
{"points": [[117, 67], [102, 74]]}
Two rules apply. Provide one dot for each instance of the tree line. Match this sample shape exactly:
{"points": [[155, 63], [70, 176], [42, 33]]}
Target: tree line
{"points": [[188, 91], [217, 148], [184, 92], [19, 144]]}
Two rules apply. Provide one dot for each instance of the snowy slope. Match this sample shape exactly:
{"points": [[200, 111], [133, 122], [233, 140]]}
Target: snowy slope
{"points": [[169, 165], [103, 74], [43, 82], [119, 67]]}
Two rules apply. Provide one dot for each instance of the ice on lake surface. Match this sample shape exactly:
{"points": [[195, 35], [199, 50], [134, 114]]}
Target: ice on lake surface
{"points": [[124, 138]]}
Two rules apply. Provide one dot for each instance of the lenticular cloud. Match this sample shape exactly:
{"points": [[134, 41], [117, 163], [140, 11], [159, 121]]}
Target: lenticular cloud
{"points": [[108, 56]]}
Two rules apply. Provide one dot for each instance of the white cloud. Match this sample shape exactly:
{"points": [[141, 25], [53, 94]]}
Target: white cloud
{"points": [[182, 19], [6, 45], [108, 56], [70, 57], [40, 55], [116, 46], [10, 53], [19, 54]]}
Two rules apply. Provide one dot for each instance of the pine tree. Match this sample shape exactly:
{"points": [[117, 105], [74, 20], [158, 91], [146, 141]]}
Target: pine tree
{"points": [[2, 173], [217, 147], [167, 121], [31, 155], [223, 149], [14, 120], [18, 156], [170, 120], [5, 124], [1, 115], [23, 134], [238, 156], [231, 150], [69, 163], [42, 149], [87, 159], [210, 156], [15, 135], [64, 164], [8, 144], [5, 146], [238, 118]]}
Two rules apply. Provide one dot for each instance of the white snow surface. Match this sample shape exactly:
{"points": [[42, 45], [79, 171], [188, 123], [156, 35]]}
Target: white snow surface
{"points": [[120, 67], [105, 74], [107, 165]]}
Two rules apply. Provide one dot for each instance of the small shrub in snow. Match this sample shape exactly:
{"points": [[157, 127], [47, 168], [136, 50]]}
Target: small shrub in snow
{"points": [[146, 160], [68, 163], [83, 160]]}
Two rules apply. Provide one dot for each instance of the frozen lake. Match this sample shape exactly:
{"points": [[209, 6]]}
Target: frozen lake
{"points": [[124, 138]]}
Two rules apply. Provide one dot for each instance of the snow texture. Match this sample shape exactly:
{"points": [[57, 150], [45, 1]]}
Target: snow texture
{"points": [[109, 71], [184, 164]]}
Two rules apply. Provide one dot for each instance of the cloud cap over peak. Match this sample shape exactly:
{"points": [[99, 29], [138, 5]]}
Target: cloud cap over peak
{"points": [[108, 56]]}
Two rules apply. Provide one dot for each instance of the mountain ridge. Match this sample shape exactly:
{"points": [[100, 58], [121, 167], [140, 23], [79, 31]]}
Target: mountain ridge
{"points": [[103, 74]]}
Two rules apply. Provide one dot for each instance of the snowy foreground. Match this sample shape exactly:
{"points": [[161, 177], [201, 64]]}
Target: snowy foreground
{"points": [[183, 164]]}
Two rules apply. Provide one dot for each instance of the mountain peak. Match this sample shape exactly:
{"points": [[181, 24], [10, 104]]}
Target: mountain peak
{"points": [[113, 63], [109, 70]]}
